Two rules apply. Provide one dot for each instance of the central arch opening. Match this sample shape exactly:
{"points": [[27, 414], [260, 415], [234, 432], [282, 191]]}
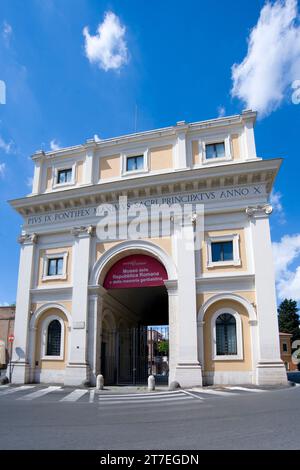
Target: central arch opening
{"points": [[135, 335]]}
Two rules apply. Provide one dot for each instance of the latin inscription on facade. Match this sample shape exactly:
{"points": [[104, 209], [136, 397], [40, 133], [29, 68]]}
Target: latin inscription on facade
{"points": [[201, 197]]}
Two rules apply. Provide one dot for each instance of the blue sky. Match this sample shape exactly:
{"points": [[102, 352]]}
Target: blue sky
{"points": [[173, 61]]}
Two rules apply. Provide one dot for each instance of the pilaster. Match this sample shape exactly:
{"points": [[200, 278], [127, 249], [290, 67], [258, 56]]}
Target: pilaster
{"points": [[96, 297], [248, 118], [77, 370], [269, 368], [20, 363], [188, 370], [181, 152]]}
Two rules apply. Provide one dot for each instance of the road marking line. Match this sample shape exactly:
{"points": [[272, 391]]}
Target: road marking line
{"points": [[192, 395], [75, 395], [16, 389], [39, 393], [255, 390], [3, 386], [125, 398], [92, 396], [213, 392], [113, 402], [149, 394]]}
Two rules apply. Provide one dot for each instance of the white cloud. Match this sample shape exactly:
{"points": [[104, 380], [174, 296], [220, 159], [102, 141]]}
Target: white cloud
{"points": [[289, 288], [286, 252], [108, 48], [6, 146], [6, 31], [29, 182], [221, 111], [272, 62], [54, 145], [2, 170], [275, 200], [4, 304]]}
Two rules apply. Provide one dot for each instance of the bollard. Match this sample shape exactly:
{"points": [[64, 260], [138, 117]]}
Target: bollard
{"points": [[100, 382], [151, 383]]}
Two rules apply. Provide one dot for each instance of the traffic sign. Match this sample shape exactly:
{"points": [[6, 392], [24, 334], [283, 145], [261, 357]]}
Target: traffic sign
{"points": [[11, 338]]}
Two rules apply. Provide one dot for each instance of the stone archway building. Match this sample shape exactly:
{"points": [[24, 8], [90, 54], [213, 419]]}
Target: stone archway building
{"points": [[220, 295]]}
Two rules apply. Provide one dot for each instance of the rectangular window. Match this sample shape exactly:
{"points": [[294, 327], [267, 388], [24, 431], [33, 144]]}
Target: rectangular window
{"points": [[221, 251], [215, 150], [55, 267], [284, 347], [64, 176], [135, 163]]}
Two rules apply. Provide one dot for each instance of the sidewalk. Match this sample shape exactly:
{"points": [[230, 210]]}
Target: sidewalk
{"points": [[143, 389]]}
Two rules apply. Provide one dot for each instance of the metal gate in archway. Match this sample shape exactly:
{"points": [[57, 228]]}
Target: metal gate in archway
{"points": [[129, 356]]}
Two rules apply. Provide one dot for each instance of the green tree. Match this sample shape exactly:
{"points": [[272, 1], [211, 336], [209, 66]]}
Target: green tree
{"points": [[288, 318], [163, 347]]}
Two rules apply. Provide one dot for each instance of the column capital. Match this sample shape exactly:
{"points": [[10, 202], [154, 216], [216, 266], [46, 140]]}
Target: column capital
{"points": [[185, 220], [83, 231], [172, 286], [27, 238], [97, 289], [259, 210]]}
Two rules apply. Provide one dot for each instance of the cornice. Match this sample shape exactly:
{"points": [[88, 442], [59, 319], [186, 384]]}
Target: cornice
{"points": [[152, 134], [205, 279], [253, 172], [55, 289]]}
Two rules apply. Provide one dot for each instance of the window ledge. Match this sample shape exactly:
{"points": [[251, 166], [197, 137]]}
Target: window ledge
{"points": [[54, 278], [63, 185], [234, 357], [52, 358], [217, 264], [206, 161], [135, 172]]}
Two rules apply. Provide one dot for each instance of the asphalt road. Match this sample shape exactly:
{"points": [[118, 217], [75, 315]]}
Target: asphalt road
{"points": [[234, 420]]}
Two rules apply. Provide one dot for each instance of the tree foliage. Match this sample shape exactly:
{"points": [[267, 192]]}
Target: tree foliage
{"points": [[288, 318]]}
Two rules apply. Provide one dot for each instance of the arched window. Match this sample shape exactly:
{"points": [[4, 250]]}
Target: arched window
{"points": [[53, 338], [226, 337]]}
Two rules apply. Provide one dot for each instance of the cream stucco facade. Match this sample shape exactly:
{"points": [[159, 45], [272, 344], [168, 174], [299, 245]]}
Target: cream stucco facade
{"points": [[64, 313]]}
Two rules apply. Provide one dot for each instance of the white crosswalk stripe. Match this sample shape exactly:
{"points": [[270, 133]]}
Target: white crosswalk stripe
{"points": [[135, 395], [92, 396], [39, 393], [143, 398], [213, 392], [74, 396], [195, 394], [9, 391], [245, 389], [146, 400]]}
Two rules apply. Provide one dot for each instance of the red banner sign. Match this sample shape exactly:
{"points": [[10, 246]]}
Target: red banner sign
{"points": [[135, 271]]}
